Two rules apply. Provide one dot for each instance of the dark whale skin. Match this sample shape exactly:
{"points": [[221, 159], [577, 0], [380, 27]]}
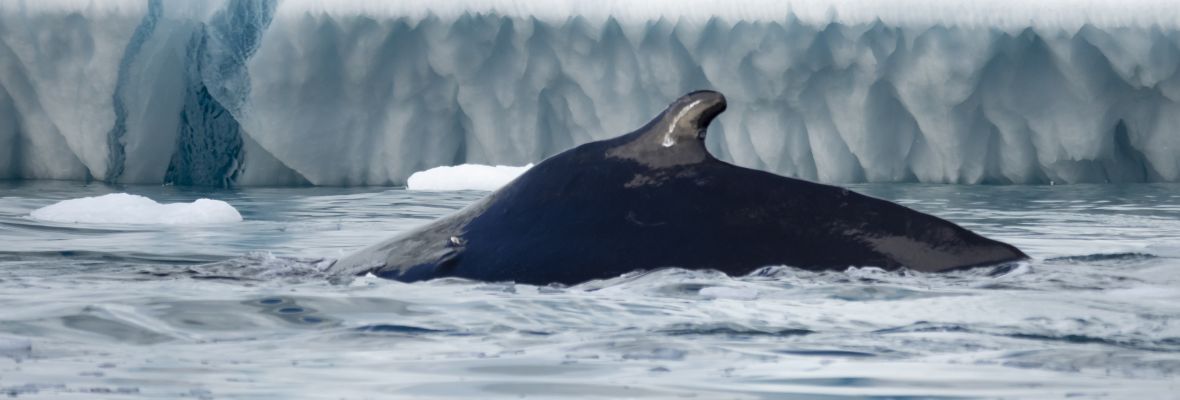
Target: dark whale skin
{"points": [[656, 198]]}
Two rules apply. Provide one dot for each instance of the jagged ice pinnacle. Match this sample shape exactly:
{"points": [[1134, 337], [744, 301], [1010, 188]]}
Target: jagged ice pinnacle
{"points": [[298, 92]]}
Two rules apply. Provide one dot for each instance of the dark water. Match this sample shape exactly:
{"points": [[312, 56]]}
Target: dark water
{"points": [[133, 311]]}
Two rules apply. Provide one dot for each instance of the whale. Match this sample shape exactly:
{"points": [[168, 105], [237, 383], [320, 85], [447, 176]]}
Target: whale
{"points": [[655, 198]]}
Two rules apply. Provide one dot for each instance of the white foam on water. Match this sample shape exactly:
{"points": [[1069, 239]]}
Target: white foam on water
{"points": [[123, 208], [721, 292]]}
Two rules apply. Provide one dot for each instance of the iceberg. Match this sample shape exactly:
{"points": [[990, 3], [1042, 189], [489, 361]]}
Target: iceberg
{"points": [[355, 92]]}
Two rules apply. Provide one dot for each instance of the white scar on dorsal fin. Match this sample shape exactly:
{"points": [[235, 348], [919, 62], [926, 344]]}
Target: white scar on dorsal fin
{"points": [[668, 140]]}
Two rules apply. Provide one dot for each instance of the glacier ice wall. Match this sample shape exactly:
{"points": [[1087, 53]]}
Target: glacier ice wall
{"points": [[240, 92]]}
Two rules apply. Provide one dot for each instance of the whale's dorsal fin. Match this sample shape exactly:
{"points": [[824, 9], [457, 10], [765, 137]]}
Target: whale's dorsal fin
{"points": [[687, 118], [677, 135]]}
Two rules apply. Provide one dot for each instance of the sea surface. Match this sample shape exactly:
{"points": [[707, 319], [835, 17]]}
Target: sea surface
{"points": [[244, 310]]}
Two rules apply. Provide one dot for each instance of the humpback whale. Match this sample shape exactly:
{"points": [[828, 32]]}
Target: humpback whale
{"points": [[657, 198]]}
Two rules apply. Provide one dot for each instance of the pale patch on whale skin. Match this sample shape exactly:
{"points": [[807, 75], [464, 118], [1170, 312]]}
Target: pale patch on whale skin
{"points": [[670, 137], [921, 256]]}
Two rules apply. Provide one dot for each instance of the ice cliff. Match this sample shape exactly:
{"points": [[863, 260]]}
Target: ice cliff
{"points": [[366, 92]]}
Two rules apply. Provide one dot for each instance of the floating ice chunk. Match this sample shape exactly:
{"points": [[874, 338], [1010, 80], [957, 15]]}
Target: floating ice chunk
{"points": [[721, 292], [465, 177], [123, 208]]}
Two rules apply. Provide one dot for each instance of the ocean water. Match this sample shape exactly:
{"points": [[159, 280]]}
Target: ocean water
{"points": [[244, 311]]}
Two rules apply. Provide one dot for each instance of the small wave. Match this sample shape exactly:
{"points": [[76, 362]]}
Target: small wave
{"points": [[730, 330], [64, 228], [827, 353], [1170, 344], [60, 388], [123, 258], [1161, 345], [261, 266], [1101, 257], [399, 329], [15, 347], [923, 326]]}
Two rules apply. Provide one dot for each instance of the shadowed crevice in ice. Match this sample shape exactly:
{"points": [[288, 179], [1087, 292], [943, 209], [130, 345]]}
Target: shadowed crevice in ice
{"points": [[115, 141], [210, 148]]}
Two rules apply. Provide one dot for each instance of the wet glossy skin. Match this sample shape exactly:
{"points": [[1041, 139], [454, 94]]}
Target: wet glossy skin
{"points": [[656, 198]]}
